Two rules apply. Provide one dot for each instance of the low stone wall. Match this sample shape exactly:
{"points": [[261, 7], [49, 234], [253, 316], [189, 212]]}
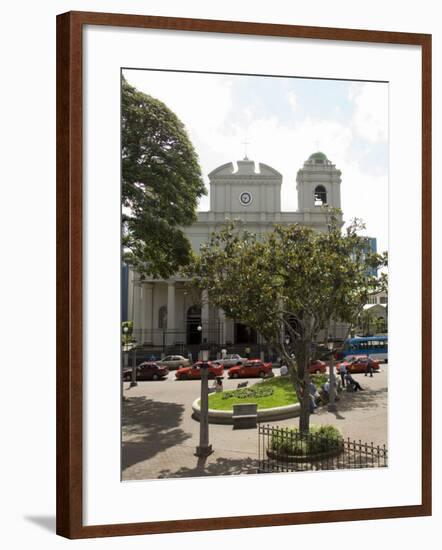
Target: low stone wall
{"points": [[264, 415]]}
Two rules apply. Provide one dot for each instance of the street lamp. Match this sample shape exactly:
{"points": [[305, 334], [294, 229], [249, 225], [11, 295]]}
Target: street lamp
{"points": [[332, 390], [127, 347], [204, 448], [199, 328], [133, 381]]}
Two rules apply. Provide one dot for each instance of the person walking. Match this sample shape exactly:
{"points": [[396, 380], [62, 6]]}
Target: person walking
{"points": [[369, 368]]}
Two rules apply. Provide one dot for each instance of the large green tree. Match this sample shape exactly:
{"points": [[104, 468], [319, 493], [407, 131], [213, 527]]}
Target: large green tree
{"points": [[291, 281], [161, 185]]}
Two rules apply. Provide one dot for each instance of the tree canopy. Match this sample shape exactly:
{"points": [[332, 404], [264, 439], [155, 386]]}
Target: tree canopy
{"points": [[289, 283], [161, 184]]}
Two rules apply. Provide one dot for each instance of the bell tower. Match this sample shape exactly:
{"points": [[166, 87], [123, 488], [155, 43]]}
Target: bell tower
{"points": [[318, 183]]}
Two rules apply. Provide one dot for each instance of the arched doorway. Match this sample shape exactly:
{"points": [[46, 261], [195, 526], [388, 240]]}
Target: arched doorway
{"points": [[193, 321], [244, 334]]}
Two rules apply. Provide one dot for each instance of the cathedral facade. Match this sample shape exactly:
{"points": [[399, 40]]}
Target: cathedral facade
{"points": [[165, 316]]}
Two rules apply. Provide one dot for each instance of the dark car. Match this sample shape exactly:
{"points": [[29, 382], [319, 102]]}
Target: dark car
{"points": [[146, 371], [251, 369]]}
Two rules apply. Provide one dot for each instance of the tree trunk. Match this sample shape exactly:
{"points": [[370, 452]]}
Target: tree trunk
{"points": [[303, 360], [300, 377], [304, 416]]}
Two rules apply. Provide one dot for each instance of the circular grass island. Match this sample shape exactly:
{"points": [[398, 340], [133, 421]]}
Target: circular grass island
{"points": [[276, 400]]}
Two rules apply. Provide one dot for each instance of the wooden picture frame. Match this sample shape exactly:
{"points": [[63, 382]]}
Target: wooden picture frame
{"points": [[70, 270]]}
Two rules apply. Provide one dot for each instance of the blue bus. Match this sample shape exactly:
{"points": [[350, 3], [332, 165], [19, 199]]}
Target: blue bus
{"points": [[374, 346]]}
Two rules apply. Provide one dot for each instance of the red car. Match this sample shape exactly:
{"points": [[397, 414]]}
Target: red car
{"points": [[146, 371], [194, 372], [250, 369], [358, 363], [317, 367]]}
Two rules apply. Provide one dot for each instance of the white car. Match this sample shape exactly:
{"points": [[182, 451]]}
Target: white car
{"points": [[230, 360], [173, 362]]}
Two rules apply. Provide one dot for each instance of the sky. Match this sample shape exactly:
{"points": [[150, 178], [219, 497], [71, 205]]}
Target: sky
{"points": [[285, 120]]}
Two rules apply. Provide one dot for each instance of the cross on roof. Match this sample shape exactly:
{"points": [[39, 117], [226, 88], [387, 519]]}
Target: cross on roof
{"points": [[245, 143]]}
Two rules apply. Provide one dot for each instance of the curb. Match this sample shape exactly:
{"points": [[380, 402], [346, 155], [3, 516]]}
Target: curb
{"points": [[264, 415]]}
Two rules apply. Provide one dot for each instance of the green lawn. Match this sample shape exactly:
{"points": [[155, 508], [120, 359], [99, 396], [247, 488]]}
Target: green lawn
{"points": [[282, 394]]}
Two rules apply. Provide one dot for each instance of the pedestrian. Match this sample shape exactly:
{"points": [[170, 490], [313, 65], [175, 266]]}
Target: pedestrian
{"points": [[219, 385], [223, 353], [354, 385], [283, 371], [369, 368], [342, 372], [247, 352]]}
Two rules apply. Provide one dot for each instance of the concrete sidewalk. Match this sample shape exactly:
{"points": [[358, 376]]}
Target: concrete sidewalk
{"points": [[160, 436]]}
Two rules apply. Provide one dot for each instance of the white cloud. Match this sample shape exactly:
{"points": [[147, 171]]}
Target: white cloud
{"points": [[293, 100], [204, 103], [370, 117], [200, 102]]}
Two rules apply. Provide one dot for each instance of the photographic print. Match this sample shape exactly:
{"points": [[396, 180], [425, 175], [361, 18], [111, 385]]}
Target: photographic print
{"points": [[237, 311], [254, 275]]}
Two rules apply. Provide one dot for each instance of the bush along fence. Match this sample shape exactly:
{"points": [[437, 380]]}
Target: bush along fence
{"points": [[324, 448]]}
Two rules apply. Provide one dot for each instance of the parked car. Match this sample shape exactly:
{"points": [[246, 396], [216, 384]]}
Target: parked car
{"points": [[317, 367], [251, 369], [173, 362], [194, 372], [358, 363], [230, 360], [146, 371]]}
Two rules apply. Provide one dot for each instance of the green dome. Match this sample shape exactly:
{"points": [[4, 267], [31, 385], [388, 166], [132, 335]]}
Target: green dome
{"points": [[317, 156]]}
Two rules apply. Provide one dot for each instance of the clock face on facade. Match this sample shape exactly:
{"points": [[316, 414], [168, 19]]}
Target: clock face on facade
{"points": [[245, 198]]}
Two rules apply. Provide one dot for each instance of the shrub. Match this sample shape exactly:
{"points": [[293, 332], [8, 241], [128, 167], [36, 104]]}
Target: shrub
{"points": [[321, 439]]}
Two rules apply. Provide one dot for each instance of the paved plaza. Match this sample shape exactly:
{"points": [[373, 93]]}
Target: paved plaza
{"points": [[159, 434]]}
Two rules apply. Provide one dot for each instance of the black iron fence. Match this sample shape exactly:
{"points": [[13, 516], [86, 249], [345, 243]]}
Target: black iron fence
{"points": [[288, 450], [158, 342]]}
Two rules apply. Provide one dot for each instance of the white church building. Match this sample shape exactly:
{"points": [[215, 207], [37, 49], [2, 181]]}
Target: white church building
{"points": [[162, 310]]}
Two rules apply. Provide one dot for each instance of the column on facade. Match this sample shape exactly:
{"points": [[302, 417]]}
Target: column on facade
{"points": [[147, 313], [222, 327], [142, 303], [205, 316], [171, 313], [130, 296], [137, 312]]}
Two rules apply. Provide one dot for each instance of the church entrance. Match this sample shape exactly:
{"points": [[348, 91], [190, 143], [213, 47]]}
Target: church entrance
{"points": [[245, 334], [193, 321]]}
